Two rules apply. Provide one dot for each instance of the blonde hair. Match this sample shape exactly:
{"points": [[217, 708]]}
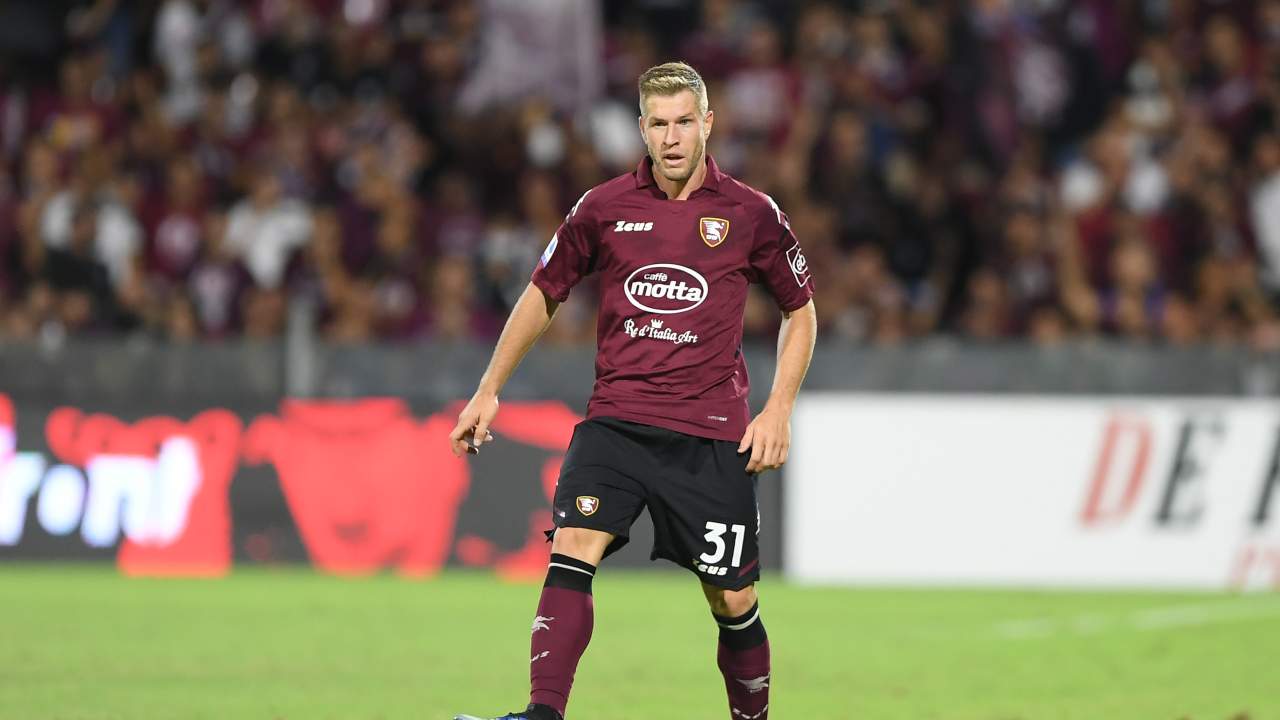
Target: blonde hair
{"points": [[671, 78]]}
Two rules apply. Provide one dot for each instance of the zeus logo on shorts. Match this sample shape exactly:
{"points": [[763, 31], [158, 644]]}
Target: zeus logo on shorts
{"points": [[588, 505], [665, 288], [710, 569]]}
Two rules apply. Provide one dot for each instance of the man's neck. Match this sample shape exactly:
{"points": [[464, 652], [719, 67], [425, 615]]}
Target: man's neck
{"points": [[682, 189]]}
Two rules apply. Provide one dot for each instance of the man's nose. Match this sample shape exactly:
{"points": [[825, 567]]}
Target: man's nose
{"points": [[670, 138]]}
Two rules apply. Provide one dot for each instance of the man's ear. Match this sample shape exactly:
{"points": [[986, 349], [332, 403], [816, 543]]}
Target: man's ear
{"points": [[707, 122]]}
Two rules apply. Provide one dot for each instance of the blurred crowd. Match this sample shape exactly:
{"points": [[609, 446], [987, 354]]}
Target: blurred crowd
{"points": [[391, 169]]}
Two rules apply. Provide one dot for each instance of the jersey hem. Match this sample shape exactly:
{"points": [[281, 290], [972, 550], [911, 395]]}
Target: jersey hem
{"points": [[797, 306], [672, 424], [545, 286]]}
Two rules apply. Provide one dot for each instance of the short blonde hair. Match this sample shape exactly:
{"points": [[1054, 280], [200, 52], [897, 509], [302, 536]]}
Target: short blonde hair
{"points": [[671, 78]]}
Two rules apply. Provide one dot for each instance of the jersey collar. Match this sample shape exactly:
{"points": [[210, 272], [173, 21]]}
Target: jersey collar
{"points": [[644, 174]]}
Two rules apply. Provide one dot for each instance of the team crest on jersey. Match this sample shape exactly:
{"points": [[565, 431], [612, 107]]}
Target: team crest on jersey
{"points": [[588, 505], [713, 230]]}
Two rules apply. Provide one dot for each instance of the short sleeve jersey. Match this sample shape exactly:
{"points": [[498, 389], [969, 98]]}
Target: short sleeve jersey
{"points": [[673, 279]]}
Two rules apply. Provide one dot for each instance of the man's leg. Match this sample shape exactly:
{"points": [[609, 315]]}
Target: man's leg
{"points": [[566, 614], [743, 656]]}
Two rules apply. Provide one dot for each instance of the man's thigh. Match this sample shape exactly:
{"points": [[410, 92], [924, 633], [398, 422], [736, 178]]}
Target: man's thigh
{"points": [[596, 490], [706, 517]]}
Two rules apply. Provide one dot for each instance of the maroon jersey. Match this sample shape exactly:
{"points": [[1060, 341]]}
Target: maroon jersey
{"points": [[673, 287]]}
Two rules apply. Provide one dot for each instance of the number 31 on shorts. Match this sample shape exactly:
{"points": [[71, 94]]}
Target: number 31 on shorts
{"points": [[715, 536]]}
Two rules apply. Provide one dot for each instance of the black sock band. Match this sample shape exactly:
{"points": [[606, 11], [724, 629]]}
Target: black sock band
{"points": [[569, 573], [743, 632]]}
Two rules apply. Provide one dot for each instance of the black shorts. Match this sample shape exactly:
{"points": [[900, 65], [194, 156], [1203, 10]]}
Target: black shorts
{"points": [[700, 496]]}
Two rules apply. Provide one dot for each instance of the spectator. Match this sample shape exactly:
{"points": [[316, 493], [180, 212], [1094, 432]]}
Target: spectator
{"points": [[264, 230], [174, 228], [81, 294], [217, 281], [549, 48], [1264, 208]]}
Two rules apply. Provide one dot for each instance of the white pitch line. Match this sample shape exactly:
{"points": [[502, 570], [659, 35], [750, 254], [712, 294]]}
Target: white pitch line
{"points": [[1206, 614], [1026, 629], [1147, 619]]}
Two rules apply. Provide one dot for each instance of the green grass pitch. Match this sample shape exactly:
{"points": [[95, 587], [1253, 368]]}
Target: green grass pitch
{"points": [[80, 642]]}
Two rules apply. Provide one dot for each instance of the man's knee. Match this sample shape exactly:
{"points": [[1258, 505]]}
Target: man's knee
{"points": [[730, 603], [581, 543]]}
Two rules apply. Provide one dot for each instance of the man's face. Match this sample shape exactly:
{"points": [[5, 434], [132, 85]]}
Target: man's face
{"points": [[675, 133]]}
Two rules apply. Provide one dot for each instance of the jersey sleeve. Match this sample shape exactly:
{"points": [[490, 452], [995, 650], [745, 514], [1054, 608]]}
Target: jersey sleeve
{"points": [[777, 261], [571, 254]]}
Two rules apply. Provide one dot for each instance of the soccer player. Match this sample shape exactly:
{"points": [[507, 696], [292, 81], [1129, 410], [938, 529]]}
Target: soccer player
{"points": [[675, 244]]}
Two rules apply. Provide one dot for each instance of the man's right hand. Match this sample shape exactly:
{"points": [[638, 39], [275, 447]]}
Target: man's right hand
{"points": [[472, 429]]}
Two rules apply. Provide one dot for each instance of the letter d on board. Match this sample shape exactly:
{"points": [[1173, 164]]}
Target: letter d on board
{"points": [[1112, 494]]}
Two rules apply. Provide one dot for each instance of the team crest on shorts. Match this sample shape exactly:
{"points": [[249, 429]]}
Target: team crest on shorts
{"points": [[588, 505], [713, 230]]}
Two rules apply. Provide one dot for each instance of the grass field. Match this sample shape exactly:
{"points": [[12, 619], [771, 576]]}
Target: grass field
{"points": [[81, 642]]}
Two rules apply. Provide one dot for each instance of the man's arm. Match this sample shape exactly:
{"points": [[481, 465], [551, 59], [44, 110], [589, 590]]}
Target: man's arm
{"points": [[529, 318], [769, 434]]}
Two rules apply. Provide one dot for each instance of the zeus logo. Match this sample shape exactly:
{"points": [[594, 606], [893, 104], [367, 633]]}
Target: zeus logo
{"points": [[624, 226], [712, 569], [665, 289]]}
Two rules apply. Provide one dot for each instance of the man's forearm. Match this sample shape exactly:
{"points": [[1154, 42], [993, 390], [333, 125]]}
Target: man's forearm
{"points": [[795, 349], [529, 318]]}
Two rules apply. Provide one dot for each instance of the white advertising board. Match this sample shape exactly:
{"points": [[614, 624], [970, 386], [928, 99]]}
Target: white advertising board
{"points": [[1034, 491]]}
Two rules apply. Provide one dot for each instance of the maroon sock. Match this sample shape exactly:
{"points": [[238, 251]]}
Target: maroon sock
{"points": [[743, 658], [561, 630]]}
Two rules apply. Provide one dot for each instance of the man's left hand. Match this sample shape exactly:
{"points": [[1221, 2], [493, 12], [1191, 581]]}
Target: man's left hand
{"points": [[768, 437]]}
